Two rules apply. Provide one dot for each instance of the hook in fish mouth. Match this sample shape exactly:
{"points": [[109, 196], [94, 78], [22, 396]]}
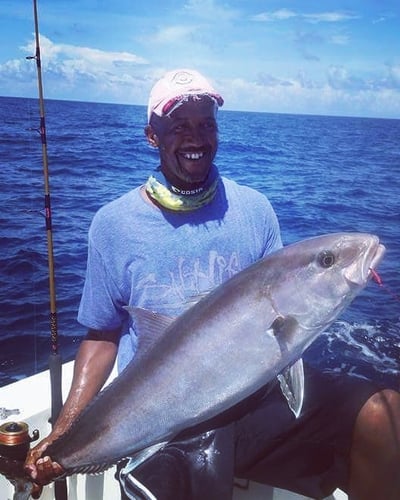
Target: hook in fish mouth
{"points": [[360, 272], [372, 255], [375, 276]]}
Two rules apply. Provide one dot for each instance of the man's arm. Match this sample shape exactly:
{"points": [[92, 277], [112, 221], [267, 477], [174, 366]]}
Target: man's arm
{"points": [[93, 365]]}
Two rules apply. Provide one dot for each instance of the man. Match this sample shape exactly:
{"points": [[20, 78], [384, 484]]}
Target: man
{"points": [[181, 234]]}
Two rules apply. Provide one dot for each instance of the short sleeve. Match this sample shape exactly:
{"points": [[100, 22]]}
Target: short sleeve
{"points": [[101, 305]]}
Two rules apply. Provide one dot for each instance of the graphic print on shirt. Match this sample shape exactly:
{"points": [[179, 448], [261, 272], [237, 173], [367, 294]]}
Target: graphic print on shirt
{"points": [[177, 290]]}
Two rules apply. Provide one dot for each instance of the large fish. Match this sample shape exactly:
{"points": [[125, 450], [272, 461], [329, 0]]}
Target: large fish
{"points": [[221, 350]]}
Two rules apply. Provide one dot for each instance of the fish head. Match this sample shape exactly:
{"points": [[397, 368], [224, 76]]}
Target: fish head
{"points": [[322, 275]]}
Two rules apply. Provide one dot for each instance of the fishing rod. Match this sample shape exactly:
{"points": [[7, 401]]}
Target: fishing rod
{"points": [[55, 361]]}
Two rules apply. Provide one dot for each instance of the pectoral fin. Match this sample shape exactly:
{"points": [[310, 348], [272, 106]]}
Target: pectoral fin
{"points": [[292, 386], [284, 328]]}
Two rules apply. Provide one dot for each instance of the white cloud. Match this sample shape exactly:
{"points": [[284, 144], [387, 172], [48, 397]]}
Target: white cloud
{"points": [[328, 17], [339, 39], [172, 34], [74, 67], [342, 78], [277, 15], [74, 71], [339, 93], [85, 73], [318, 17], [394, 75], [92, 60], [210, 10], [16, 70]]}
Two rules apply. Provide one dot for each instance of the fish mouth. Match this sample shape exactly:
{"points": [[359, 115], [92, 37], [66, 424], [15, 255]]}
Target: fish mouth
{"points": [[362, 269], [379, 253], [376, 258]]}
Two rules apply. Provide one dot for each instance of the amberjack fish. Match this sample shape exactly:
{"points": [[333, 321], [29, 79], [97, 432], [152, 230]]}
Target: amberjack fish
{"points": [[221, 350]]}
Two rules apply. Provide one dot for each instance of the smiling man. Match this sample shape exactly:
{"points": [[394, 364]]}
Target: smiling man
{"points": [[182, 233], [184, 129]]}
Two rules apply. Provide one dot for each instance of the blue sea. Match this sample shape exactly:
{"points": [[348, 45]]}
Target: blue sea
{"points": [[322, 174]]}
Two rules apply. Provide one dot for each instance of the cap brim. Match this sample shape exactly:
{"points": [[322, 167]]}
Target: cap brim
{"points": [[171, 103]]}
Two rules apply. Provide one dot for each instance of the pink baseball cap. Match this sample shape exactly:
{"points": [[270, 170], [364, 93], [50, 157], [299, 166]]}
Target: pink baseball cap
{"points": [[174, 87]]}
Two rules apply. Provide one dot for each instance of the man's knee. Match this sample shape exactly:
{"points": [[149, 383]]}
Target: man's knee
{"points": [[378, 423]]}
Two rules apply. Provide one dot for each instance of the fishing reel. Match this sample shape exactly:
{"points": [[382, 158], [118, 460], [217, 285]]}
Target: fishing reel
{"points": [[14, 446]]}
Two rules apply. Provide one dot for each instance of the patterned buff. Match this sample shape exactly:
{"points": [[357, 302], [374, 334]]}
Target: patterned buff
{"points": [[180, 200]]}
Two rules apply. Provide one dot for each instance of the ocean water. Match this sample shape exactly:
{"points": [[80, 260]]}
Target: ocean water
{"points": [[322, 174]]}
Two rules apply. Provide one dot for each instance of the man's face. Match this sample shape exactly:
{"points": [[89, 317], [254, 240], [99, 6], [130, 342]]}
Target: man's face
{"points": [[187, 141]]}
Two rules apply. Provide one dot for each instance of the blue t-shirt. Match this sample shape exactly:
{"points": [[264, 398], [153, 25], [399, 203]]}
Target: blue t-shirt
{"points": [[160, 260]]}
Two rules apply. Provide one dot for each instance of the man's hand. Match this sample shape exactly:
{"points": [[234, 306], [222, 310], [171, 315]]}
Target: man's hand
{"points": [[93, 365], [41, 468]]}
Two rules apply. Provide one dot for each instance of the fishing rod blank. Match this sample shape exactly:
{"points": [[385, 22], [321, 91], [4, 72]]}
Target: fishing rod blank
{"points": [[55, 362]]}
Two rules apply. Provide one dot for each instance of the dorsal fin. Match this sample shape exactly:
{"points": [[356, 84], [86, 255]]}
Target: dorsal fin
{"points": [[149, 325]]}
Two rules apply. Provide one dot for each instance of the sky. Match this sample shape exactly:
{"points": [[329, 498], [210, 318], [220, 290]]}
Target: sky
{"points": [[322, 57]]}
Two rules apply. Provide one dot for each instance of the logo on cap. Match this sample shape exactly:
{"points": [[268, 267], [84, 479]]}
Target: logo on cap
{"points": [[183, 78]]}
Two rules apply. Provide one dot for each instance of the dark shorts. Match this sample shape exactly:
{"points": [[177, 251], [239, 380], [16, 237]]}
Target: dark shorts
{"points": [[308, 455]]}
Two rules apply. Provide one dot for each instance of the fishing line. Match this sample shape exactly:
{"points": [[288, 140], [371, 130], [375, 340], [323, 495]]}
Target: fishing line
{"points": [[386, 288], [32, 251]]}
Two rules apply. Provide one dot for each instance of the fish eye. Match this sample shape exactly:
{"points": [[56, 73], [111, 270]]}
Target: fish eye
{"points": [[326, 259]]}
